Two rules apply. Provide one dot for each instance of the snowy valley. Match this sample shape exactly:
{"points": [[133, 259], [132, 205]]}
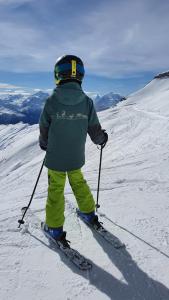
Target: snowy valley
{"points": [[134, 207]]}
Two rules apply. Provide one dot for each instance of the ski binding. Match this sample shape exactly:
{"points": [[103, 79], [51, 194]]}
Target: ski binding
{"points": [[73, 255], [109, 237]]}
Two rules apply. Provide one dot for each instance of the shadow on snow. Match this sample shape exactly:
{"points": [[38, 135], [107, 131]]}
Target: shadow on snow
{"points": [[139, 285]]}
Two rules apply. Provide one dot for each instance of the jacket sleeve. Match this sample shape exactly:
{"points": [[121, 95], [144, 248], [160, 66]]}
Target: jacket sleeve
{"points": [[44, 124], [94, 128]]}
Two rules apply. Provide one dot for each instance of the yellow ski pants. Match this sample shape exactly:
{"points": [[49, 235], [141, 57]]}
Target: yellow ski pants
{"points": [[55, 205]]}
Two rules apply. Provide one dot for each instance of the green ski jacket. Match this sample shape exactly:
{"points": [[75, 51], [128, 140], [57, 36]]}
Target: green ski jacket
{"points": [[67, 117]]}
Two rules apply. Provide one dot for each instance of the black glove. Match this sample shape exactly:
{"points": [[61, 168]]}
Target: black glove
{"points": [[43, 144], [103, 144]]}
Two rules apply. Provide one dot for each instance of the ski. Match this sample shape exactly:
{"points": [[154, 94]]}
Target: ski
{"points": [[73, 255], [106, 235]]}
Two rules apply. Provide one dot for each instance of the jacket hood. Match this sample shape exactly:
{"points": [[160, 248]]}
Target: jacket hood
{"points": [[69, 93]]}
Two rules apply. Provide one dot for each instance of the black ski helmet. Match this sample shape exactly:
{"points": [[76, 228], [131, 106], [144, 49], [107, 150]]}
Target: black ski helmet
{"points": [[69, 67]]}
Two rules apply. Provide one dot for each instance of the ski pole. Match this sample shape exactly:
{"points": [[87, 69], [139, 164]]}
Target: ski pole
{"points": [[98, 186], [21, 221]]}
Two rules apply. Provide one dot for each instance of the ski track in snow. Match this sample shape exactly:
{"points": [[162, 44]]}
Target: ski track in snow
{"points": [[134, 207]]}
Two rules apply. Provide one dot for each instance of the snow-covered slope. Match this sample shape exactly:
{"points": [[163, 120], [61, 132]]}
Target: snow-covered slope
{"points": [[134, 207], [153, 97]]}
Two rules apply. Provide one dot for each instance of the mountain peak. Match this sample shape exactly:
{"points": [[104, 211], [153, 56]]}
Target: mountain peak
{"points": [[162, 75], [107, 101]]}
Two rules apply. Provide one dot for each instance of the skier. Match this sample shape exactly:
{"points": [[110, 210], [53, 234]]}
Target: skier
{"points": [[67, 117]]}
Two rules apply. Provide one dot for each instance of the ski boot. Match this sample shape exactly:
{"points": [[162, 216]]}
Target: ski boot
{"points": [[91, 219], [58, 235]]}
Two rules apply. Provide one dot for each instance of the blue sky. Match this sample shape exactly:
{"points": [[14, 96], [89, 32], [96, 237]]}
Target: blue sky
{"points": [[123, 43]]}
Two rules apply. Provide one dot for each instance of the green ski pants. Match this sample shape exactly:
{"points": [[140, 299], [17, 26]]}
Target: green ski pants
{"points": [[55, 205]]}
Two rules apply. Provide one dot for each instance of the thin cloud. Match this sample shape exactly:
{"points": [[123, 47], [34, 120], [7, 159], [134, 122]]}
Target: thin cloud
{"points": [[8, 86], [9, 2], [113, 39]]}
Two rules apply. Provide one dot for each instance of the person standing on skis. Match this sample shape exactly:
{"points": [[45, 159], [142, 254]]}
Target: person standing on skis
{"points": [[67, 117]]}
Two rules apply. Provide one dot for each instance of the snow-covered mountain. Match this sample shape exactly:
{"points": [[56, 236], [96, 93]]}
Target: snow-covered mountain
{"points": [[107, 101], [21, 108], [15, 108], [134, 207], [162, 75]]}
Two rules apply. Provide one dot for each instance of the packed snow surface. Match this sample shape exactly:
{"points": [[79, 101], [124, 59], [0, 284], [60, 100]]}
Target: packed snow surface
{"points": [[134, 203]]}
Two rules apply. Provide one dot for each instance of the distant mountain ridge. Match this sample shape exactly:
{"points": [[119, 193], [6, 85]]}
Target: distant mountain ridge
{"points": [[21, 108], [107, 101], [15, 108], [162, 75]]}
